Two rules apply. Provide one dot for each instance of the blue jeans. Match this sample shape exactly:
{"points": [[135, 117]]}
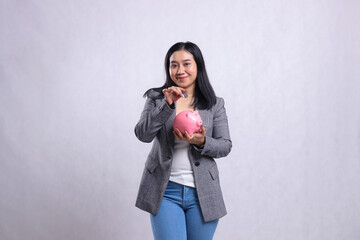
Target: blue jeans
{"points": [[180, 217]]}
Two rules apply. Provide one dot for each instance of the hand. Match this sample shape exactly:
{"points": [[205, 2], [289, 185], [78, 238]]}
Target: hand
{"points": [[173, 93], [197, 138]]}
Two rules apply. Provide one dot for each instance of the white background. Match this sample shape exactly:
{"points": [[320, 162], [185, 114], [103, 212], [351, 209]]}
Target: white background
{"points": [[72, 75]]}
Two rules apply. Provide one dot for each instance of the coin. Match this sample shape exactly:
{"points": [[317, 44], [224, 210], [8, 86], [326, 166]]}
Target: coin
{"points": [[185, 95]]}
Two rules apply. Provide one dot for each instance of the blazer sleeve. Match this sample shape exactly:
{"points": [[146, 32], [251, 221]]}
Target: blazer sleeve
{"points": [[219, 144], [154, 115]]}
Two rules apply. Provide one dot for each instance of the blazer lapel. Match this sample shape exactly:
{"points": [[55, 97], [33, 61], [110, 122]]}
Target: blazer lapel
{"points": [[204, 114], [170, 130]]}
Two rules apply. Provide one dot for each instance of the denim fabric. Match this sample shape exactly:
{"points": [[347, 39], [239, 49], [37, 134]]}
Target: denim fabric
{"points": [[180, 217]]}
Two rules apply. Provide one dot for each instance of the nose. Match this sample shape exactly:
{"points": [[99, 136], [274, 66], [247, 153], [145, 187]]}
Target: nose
{"points": [[180, 70]]}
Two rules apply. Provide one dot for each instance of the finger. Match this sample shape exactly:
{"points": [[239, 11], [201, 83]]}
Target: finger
{"points": [[179, 134], [176, 96], [187, 136], [180, 88], [166, 92], [179, 91], [168, 97], [175, 92], [182, 91], [203, 130]]}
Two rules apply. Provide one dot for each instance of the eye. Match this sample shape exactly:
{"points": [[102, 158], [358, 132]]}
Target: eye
{"points": [[173, 66], [187, 64]]}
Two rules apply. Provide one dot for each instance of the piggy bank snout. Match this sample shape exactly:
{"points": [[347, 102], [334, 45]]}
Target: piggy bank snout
{"points": [[189, 121]]}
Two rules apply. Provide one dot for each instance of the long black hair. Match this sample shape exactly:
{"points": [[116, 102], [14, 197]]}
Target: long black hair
{"points": [[204, 94]]}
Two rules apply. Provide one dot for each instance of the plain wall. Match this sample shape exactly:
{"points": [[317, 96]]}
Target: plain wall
{"points": [[72, 75]]}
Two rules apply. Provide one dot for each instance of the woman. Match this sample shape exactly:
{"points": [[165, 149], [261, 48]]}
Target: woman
{"points": [[180, 185]]}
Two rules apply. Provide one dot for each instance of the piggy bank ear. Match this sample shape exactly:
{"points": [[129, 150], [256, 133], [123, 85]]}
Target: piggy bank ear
{"points": [[187, 114]]}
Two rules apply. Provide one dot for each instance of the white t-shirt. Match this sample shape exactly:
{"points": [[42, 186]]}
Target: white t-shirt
{"points": [[181, 170]]}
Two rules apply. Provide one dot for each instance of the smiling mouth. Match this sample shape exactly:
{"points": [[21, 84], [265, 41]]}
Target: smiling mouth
{"points": [[181, 78]]}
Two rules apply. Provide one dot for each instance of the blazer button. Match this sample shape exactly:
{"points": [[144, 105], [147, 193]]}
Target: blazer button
{"points": [[197, 164]]}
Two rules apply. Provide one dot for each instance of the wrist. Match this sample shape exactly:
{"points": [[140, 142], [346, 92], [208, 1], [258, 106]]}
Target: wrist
{"points": [[170, 104], [201, 145]]}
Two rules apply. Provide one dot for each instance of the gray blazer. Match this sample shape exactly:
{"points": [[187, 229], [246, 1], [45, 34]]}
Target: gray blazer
{"points": [[156, 124]]}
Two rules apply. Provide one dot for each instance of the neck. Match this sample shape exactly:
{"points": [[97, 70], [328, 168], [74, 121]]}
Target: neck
{"points": [[190, 90]]}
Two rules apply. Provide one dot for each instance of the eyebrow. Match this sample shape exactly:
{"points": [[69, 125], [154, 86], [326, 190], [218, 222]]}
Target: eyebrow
{"points": [[185, 60]]}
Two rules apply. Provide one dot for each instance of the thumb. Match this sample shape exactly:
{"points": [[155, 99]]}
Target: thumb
{"points": [[203, 129]]}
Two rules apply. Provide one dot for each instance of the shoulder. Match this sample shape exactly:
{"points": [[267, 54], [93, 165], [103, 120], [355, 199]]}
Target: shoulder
{"points": [[219, 99], [155, 94], [220, 102]]}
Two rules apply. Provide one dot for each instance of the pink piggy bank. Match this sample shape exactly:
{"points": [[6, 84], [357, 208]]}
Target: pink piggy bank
{"points": [[189, 121]]}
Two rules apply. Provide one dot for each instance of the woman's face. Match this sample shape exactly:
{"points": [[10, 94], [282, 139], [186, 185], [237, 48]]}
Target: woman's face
{"points": [[183, 69]]}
